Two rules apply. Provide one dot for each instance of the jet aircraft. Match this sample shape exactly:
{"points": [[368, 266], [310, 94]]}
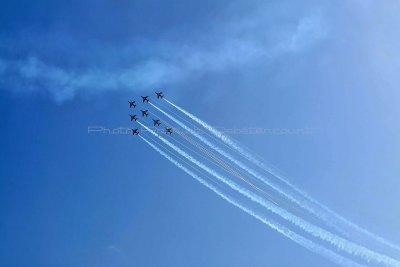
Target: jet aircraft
{"points": [[133, 117], [145, 99], [135, 131], [145, 113], [168, 131], [159, 95], [156, 122], [132, 104]]}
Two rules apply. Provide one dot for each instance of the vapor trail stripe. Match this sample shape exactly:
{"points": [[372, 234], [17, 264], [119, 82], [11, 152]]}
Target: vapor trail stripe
{"points": [[316, 231], [190, 122], [224, 165], [242, 166], [248, 169], [306, 243], [233, 172], [211, 156], [325, 213], [214, 157]]}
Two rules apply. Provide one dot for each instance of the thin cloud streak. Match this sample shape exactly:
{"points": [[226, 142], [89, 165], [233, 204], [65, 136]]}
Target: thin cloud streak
{"points": [[169, 66]]}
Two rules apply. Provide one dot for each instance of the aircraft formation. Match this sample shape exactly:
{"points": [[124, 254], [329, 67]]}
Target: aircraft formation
{"points": [[145, 113], [221, 163]]}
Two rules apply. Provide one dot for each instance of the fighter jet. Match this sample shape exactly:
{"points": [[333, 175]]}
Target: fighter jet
{"points": [[156, 122], [145, 99], [168, 131], [135, 131], [132, 104], [145, 113], [133, 117], [159, 94]]}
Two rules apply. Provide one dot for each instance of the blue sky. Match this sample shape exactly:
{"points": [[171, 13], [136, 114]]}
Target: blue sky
{"points": [[74, 199]]}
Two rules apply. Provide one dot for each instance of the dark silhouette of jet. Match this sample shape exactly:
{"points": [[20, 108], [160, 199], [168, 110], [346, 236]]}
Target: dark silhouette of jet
{"points": [[145, 113], [159, 94], [135, 131], [133, 117], [156, 122], [145, 99], [168, 131], [132, 104]]}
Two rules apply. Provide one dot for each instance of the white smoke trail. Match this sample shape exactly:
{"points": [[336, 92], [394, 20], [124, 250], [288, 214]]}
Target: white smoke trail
{"points": [[229, 169], [243, 166], [325, 213], [306, 243], [212, 156], [218, 161], [316, 231]]}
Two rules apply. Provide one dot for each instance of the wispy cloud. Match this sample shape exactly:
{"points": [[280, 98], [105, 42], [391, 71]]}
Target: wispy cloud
{"points": [[114, 249], [235, 45]]}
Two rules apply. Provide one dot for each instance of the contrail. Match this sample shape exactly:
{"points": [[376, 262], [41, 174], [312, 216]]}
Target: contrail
{"points": [[325, 213], [220, 163], [217, 161], [306, 243], [244, 167], [316, 231], [231, 170]]}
